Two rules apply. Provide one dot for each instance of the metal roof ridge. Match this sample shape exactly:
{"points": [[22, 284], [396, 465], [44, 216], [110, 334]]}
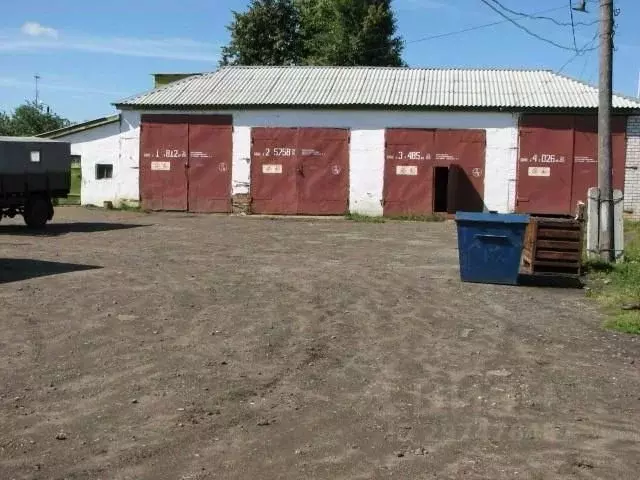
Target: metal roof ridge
{"points": [[82, 126], [161, 88]]}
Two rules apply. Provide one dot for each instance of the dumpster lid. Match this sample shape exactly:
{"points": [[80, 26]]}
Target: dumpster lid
{"points": [[487, 217]]}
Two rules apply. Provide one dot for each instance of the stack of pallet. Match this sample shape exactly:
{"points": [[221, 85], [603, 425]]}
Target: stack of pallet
{"points": [[553, 246]]}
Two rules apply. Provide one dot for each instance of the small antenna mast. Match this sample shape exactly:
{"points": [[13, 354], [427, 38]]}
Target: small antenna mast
{"points": [[37, 78]]}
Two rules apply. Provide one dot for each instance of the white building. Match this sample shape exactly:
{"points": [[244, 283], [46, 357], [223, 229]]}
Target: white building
{"points": [[327, 140], [96, 145]]}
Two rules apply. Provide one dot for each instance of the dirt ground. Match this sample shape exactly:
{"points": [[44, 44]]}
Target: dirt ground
{"points": [[172, 346]]}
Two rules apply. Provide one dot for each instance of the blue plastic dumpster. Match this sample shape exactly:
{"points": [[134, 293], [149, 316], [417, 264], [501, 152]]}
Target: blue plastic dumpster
{"points": [[490, 246]]}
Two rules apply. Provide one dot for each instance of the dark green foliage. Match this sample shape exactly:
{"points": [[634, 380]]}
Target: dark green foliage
{"points": [[266, 34], [315, 32], [30, 119]]}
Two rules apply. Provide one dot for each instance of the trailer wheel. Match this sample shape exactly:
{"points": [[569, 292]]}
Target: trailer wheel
{"points": [[37, 211]]}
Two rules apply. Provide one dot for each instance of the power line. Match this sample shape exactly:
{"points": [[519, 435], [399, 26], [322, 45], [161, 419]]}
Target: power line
{"points": [[535, 16], [525, 29], [588, 47], [573, 27], [474, 28]]}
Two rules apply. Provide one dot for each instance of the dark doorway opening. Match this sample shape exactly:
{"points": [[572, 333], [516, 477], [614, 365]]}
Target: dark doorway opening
{"points": [[440, 189]]}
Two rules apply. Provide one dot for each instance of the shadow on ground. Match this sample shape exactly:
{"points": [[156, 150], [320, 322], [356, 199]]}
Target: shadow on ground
{"points": [[56, 229], [550, 281], [17, 269]]}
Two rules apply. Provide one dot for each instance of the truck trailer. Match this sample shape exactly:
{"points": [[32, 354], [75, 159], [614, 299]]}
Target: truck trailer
{"points": [[33, 172]]}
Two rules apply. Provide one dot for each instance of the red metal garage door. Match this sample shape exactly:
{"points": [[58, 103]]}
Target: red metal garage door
{"points": [[464, 149], [210, 152], [558, 161], [323, 171], [408, 172], [163, 165], [185, 162], [585, 155], [274, 171], [433, 170], [300, 171], [545, 164]]}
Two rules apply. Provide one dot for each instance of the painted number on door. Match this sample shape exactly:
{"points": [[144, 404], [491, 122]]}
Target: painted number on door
{"points": [[539, 171], [411, 170], [271, 168], [162, 166]]}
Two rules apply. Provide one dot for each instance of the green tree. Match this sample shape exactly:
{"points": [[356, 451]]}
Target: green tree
{"points": [[350, 32], [266, 34], [6, 127], [314, 32], [30, 119]]}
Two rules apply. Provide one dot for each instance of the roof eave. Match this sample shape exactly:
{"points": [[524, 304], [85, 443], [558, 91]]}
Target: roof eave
{"points": [[80, 127], [489, 108]]}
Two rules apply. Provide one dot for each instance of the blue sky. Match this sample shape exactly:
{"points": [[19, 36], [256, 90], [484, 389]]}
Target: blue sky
{"points": [[90, 54]]}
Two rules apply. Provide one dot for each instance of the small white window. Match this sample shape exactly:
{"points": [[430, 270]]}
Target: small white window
{"points": [[35, 156]]}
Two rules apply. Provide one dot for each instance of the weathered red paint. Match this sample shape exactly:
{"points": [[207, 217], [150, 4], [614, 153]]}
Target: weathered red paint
{"points": [[408, 172], [274, 171], [585, 156], [410, 158], [210, 152], [545, 164], [464, 152], [323, 171], [558, 189], [163, 165], [185, 162], [300, 171]]}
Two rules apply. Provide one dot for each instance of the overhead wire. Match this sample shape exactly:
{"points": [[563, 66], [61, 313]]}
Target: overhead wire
{"points": [[525, 29], [573, 27], [588, 47], [535, 16], [464, 30]]}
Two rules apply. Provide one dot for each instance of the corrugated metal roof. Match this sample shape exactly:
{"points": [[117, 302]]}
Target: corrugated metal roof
{"points": [[375, 87], [28, 140]]}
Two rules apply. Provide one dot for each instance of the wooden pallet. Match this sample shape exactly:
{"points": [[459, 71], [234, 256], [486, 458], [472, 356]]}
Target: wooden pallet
{"points": [[553, 246]]}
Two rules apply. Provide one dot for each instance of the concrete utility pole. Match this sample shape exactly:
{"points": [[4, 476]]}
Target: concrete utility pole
{"points": [[605, 175]]}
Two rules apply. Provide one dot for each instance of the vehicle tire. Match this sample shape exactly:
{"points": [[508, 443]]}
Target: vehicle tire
{"points": [[36, 211]]}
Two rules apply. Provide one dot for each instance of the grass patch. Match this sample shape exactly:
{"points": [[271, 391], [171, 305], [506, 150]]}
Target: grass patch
{"points": [[617, 287], [358, 217], [433, 217], [127, 207]]}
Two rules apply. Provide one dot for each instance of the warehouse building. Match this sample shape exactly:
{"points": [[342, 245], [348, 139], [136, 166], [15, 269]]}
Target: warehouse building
{"points": [[95, 149], [392, 141]]}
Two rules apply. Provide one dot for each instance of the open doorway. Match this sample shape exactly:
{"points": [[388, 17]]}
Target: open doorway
{"points": [[440, 189]]}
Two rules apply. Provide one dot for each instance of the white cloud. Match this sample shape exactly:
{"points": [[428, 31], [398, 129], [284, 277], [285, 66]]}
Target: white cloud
{"points": [[169, 48], [34, 29]]}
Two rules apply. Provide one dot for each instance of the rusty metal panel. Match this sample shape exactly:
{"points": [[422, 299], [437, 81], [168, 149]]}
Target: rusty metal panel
{"points": [[163, 165], [585, 156], [574, 138], [170, 118], [210, 155], [463, 151], [545, 166], [274, 171], [408, 172], [323, 171], [410, 186]]}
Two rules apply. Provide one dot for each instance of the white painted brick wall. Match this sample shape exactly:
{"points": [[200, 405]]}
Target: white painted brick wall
{"points": [[367, 146], [632, 171], [102, 145]]}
